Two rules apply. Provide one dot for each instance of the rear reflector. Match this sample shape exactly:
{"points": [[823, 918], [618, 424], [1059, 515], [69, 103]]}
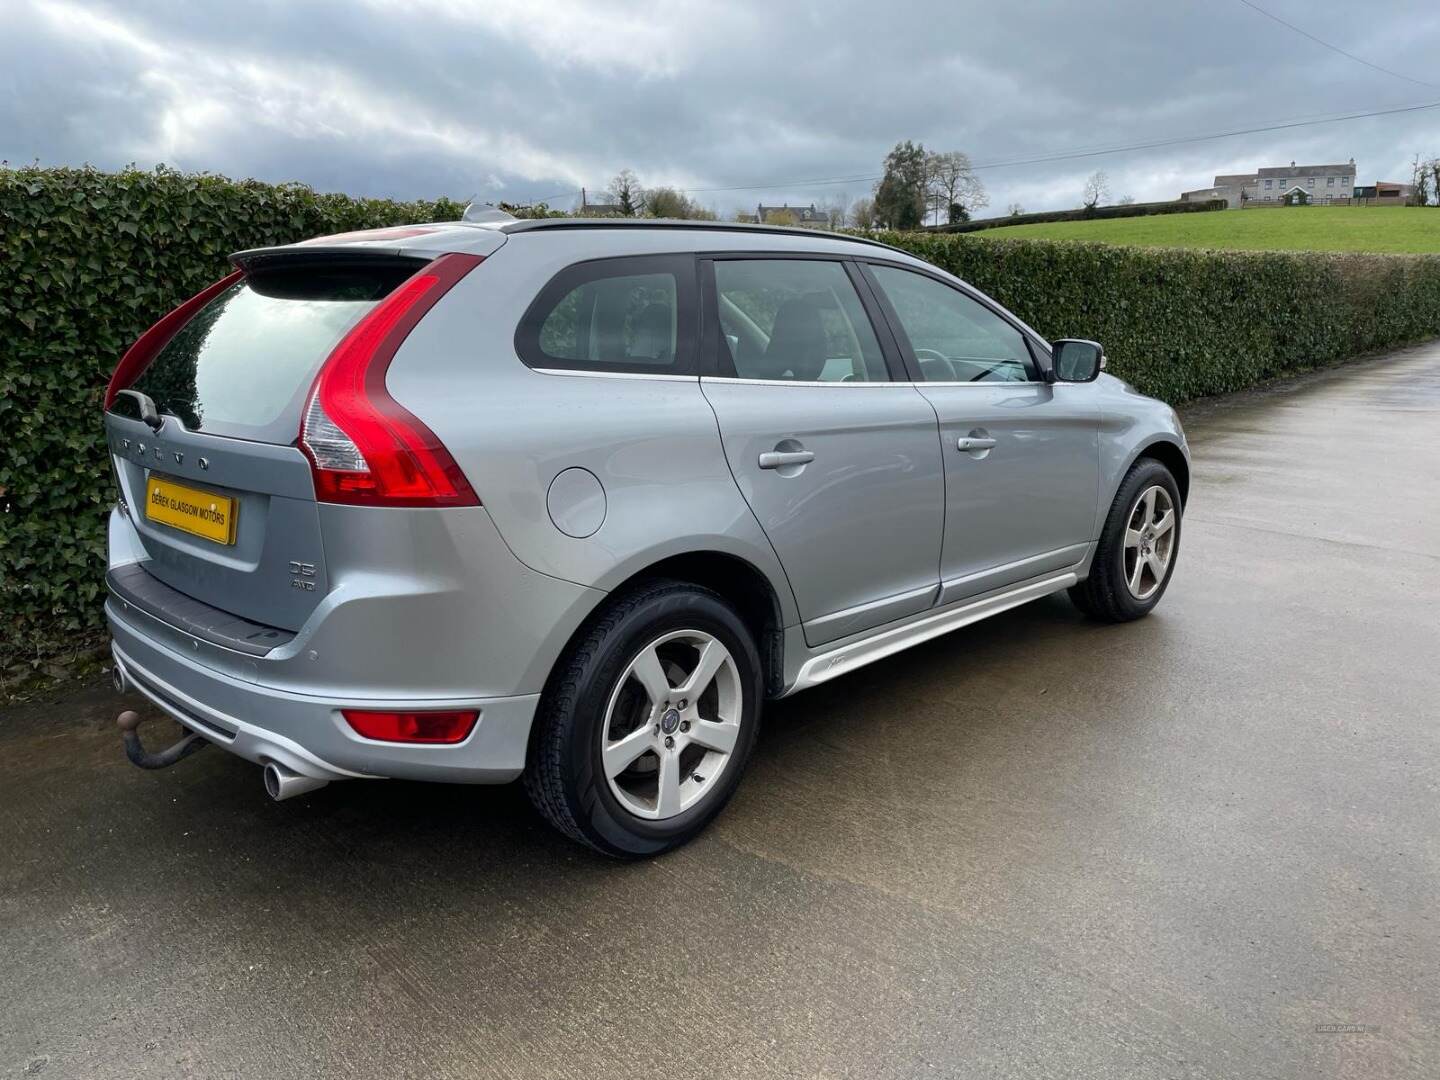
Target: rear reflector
{"points": [[148, 345], [364, 447], [412, 727]]}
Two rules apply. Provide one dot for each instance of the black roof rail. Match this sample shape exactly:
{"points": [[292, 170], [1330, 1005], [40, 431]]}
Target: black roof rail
{"points": [[538, 224]]}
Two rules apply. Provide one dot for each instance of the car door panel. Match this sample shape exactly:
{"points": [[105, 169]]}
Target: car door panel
{"points": [[856, 528], [1027, 505], [1021, 456], [840, 465]]}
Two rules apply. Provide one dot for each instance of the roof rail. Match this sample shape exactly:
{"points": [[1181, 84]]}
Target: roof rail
{"points": [[540, 224]]}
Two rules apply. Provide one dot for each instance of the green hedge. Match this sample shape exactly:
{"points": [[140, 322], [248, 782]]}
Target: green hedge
{"points": [[1182, 324], [1123, 210], [88, 260]]}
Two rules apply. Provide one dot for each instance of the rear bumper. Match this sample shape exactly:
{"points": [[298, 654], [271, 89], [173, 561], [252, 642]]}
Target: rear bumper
{"points": [[307, 734]]}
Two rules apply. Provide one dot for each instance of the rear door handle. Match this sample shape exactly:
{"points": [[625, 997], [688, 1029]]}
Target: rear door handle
{"points": [[970, 442], [778, 459]]}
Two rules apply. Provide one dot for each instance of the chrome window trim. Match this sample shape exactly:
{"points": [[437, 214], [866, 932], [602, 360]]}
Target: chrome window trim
{"points": [[889, 383], [581, 374]]}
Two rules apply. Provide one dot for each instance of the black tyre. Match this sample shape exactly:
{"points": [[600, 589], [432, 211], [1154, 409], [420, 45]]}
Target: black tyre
{"points": [[645, 727], [1139, 547]]}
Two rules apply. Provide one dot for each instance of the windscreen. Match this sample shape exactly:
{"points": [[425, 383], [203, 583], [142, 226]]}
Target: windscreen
{"points": [[243, 365]]}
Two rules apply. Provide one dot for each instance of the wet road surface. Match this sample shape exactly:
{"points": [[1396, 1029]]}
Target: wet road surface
{"points": [[1039, 847]]}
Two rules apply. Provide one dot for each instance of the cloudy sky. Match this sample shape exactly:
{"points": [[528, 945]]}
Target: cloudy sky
{"points": [[524, 99]]}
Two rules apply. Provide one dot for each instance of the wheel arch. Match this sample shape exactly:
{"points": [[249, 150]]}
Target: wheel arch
{"points": [[738, 580], [1170, 455]]}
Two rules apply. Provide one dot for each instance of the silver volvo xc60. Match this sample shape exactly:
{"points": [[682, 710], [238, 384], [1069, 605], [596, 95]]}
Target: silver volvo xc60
{"points": [[568, 500]]}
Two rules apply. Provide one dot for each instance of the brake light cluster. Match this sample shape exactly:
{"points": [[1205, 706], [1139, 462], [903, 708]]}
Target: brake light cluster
{"points": [[364, 447], [412, 727]]}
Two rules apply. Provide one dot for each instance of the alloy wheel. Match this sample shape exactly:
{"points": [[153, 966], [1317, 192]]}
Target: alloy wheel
{"points": [[671, 724], [1149, 542]]}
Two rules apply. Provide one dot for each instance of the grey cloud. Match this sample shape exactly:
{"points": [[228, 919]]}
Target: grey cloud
{"points": [[498, 100]]}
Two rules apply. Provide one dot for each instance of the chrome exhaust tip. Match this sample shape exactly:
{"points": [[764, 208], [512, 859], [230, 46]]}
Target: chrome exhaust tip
{"points": [[282, 784], [117, 679]]}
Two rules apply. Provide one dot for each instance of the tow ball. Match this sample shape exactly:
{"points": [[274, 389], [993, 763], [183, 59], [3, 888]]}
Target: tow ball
{"points": [[129, 724]]}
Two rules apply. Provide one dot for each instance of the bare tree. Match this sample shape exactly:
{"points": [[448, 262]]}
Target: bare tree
{"points": [[862, 214], [1422, 174], [837, 212], [953, 187], [1015, 209], [1097, 189], [1125, 200], [627, 192]]}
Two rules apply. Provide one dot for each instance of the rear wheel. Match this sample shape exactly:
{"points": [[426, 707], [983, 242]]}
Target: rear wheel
{"points": [[1138, 547], [646, 726]]}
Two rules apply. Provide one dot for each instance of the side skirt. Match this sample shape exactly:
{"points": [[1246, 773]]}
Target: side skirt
{"points": [[826, 664]]}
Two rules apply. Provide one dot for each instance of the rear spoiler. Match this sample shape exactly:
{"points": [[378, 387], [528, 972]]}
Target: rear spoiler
{"points": [[423, 243]]}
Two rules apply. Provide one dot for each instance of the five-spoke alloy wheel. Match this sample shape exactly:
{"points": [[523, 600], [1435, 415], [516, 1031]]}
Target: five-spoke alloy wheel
{"points": [[1149, 542], [643, 733], [1139, 544], [672, 723]]}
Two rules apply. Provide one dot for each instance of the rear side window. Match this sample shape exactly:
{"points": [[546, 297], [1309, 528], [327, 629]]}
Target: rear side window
{"points": [[243, 365], [794, 320], [632, 315]]}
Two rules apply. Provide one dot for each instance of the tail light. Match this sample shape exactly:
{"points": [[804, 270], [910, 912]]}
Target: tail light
{"points": [[412, 727], [137, 358], [364, 447]]}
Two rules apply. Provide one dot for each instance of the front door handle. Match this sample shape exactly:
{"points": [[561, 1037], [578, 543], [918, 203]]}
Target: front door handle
{"points": [[778, 459], [971, 442]]}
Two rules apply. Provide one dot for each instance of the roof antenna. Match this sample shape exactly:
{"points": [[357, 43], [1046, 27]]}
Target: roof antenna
{"points": [[486, 214]]}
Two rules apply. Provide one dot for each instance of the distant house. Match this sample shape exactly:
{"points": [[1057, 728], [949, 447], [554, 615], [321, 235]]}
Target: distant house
{"points": [[807, 216], [590, 208], [1282, 185]]}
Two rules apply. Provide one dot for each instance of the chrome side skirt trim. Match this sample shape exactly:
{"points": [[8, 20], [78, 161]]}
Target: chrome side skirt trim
{"points": [[826, 665]]}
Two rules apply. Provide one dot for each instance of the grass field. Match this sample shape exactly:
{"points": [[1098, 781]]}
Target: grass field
{"points": [[1295, 228]]}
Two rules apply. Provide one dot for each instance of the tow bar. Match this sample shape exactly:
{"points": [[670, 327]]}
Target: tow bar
{"points": [[129, 723]]}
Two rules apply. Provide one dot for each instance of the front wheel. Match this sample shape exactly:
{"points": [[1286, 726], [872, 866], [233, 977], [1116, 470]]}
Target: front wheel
{"points": [[646, 726], [1138, 547]]}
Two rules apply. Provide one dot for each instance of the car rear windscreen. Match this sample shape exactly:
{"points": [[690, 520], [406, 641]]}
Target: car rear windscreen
{"points": [[244, 364]]}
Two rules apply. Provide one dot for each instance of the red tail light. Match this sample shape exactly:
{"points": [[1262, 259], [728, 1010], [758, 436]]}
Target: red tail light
{"points": [[412, 727], [364, 446], [137, 358]]}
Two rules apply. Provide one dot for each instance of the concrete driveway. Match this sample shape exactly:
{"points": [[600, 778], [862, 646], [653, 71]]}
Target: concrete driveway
{"points": [[1036, 848]]}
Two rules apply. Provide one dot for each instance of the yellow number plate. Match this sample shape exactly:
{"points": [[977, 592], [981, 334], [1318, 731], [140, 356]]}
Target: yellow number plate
{"points": [[201, 513]]}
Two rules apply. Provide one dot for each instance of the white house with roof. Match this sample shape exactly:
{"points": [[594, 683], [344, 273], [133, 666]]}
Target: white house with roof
{"points": [[1282, 185]]}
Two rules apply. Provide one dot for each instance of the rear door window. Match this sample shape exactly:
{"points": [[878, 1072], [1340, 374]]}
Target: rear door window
{"points": [[794, 320], [625, 315], [243, 364]]}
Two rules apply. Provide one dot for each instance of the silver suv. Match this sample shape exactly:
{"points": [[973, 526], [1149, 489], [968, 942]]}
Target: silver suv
{"points": [[569, 500]]}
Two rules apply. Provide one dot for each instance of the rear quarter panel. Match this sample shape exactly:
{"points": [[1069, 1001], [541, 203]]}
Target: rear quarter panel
{"points": [[653, 443]]}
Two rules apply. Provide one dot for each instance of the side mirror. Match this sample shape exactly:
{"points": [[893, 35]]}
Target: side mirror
{"points": [[1076, 360]]}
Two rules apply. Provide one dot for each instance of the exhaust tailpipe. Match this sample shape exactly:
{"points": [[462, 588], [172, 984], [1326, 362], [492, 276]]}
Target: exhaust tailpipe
{"points": [[281, 783], [117, 678]]}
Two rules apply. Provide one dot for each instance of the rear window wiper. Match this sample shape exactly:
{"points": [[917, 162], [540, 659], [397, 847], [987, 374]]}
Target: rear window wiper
{"points": [[148, 412]]}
